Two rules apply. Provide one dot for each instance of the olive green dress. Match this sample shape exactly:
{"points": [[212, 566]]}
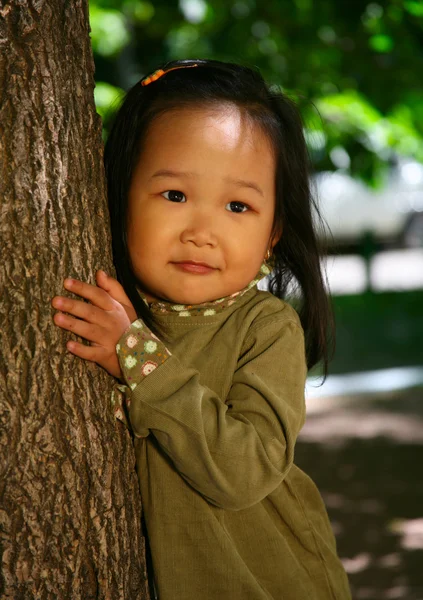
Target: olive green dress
{"points": [[215, 415]]}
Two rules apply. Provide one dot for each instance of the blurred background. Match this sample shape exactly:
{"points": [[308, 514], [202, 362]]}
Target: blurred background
{"points": [[355, 70]]}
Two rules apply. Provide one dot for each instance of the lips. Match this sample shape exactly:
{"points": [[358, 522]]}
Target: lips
{"points": [[194, 267], [194, 262]]}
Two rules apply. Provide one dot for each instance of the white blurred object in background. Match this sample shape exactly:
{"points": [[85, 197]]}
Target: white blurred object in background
{"points": [[397, 270], [345, 274], [393, 214]]}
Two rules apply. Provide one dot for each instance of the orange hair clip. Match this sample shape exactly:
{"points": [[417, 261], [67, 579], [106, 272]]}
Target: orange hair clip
{"points": [[159, 73]]}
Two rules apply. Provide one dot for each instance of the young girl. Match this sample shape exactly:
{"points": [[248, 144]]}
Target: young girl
{"points": [[208, 193]]}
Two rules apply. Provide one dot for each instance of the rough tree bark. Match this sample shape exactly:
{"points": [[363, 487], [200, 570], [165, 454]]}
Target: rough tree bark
{"points": [[69, 500]]}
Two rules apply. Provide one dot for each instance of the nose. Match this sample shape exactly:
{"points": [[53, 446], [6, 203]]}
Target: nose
{"points": [[199, 230]]}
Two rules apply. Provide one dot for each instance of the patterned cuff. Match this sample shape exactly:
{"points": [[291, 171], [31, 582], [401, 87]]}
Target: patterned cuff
{"points": [[140, 352]]}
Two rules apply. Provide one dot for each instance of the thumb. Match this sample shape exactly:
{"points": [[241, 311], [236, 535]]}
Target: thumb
{"points": [[114, 289]]}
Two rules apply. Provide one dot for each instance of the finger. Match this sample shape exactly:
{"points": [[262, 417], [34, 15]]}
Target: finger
{"points": [[83, 351], [87, 352], [96, 355], [77, 308], [88, 331], [94, 294], [112, 287]]}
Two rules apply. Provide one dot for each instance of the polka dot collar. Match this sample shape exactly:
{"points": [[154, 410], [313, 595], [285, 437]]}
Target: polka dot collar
{"points": [[206, 309]]}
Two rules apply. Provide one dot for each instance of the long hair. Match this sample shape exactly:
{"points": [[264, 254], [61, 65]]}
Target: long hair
{"points": [[297, 273]]}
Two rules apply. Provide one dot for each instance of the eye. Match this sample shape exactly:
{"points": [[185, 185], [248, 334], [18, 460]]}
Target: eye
{"points": [[237, 207], [174, 196]]}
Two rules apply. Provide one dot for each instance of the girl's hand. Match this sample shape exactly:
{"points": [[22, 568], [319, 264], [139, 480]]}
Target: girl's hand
{"points": [[102, 322]]}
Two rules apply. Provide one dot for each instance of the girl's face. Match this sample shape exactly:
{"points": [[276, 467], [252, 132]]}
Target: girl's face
{"points": [[203, 191]]}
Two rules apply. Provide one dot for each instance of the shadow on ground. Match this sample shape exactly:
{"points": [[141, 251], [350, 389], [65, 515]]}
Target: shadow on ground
{"points": [[366, 456]]}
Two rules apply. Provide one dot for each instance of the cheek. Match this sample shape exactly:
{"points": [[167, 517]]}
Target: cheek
{"points": [[138, 241], [249, 243], [148, 240]]}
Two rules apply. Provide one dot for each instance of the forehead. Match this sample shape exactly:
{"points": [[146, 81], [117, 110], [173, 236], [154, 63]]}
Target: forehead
{"points": [[222, 136]]}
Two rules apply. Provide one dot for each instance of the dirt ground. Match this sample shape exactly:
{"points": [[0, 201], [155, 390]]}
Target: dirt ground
{"points": [[365, 454]]}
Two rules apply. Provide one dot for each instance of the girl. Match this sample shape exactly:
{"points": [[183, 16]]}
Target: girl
{"points": [[208, 193]]}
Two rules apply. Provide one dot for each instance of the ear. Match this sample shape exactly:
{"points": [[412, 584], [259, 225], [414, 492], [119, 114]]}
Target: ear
{"points": [[276, 236]]}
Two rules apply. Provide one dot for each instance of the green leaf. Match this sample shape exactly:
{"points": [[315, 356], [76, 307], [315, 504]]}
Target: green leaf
{"points": [[414, 8], [350, 108], [381, 43], [109, 33], [140, 12], [105, 96]]}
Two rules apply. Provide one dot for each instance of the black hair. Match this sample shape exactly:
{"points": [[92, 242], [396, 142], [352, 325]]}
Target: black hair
{"points": [[297, 273]]}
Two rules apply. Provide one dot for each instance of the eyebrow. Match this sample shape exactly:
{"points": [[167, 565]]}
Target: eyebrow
{"points": [[238, 182]]}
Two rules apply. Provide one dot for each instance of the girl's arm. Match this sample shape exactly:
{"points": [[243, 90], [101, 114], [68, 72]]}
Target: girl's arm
{"points": [[233, 452]]}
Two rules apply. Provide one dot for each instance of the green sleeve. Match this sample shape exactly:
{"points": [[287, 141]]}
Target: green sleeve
{"points": [[233, 451]]}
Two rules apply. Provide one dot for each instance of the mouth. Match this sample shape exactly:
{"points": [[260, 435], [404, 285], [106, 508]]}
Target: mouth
{"points": [[192, 266], [194, 262]]}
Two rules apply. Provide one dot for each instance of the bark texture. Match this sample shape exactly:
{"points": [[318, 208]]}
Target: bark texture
{"points": [[69, 502]]}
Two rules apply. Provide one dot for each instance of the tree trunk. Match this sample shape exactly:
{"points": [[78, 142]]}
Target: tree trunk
{"points": [[69, 501]]}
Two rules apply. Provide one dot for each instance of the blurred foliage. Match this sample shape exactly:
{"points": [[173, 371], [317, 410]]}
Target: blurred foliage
{"points": [[354, 67], [378, 330]]}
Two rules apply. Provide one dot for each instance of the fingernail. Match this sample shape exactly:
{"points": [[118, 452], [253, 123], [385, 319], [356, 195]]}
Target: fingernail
{"points": [[103, 272], [68, 282]]}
